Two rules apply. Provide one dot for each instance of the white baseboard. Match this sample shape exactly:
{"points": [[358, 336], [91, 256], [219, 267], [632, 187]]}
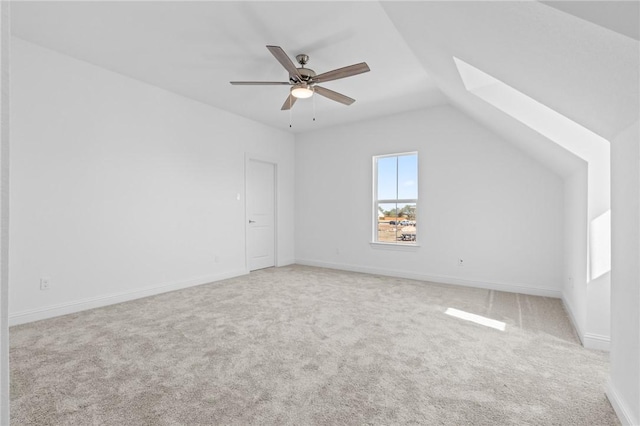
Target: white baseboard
{"points": [[489, 285], [285, 262], [596, 341], [620, 407], [111, 299], [569, 309]]}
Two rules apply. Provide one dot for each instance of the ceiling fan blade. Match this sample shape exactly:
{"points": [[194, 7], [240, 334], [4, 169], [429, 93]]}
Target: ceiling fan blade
{"points": [[286, 62], [259, 83], [342, 72], [334, 96], [288, 104]]}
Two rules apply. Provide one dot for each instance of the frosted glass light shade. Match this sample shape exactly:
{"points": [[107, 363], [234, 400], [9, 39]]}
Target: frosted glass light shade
{"points": [[302, 91]]}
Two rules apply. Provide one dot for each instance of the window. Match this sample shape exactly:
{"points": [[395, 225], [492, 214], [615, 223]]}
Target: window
{"points": [[395, 194]]}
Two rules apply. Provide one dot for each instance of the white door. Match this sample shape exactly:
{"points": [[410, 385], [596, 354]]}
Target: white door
{"points": [[261, 195]]}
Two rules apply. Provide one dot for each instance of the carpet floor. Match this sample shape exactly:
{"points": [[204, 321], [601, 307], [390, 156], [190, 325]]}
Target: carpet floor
{"points": [[303, 345]]}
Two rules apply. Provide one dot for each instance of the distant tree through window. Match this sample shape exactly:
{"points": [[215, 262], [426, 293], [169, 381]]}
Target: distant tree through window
{"points": [[395, 190]]}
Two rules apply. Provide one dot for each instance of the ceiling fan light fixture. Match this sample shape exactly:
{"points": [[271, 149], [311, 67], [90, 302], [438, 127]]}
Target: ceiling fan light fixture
{"points": [[302, 91], [303, 81]]}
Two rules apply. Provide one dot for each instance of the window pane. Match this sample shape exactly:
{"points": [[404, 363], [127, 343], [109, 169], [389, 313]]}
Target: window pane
{"points": [[408, 177], [406, 224], [387, 222], [407, 211], [387, 168]]}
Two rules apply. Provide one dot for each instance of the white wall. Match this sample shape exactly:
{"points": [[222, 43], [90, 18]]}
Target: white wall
{"points": [[597, 334], [624, 387], [481, 199], [587, 280], [5, 42], [574, 293], [120, 189]]}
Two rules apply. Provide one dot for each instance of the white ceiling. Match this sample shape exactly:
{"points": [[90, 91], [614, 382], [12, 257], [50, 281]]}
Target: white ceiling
{"points": [[196, 48], [620, 16], [580, 58]]}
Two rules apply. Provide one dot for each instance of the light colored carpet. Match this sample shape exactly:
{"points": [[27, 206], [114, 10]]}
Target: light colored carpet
{"points": [[302, 345]]}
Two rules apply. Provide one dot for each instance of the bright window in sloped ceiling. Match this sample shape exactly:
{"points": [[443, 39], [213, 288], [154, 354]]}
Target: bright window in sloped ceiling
{"points": [[560, 129]]}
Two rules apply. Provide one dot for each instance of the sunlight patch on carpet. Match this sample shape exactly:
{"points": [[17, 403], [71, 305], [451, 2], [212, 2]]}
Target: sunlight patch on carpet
{"points": [[478, 319]]}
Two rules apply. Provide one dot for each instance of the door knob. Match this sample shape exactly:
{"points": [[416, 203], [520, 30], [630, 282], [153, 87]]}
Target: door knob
{"points": [[252, 221]]}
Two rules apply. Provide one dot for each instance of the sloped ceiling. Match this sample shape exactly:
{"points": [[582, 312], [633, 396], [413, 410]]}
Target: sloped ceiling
{"points": [[581, 69], [580, 58], [620, 16]]}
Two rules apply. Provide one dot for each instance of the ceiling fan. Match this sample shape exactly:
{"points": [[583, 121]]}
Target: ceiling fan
{"points": [[304, 81]]}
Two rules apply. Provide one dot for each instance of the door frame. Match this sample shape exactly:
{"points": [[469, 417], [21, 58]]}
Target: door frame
{"points": [[248, 157]]}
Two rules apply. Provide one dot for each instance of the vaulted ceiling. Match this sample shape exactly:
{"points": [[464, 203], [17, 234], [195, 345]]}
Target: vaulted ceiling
{"points": [[579, 58]]}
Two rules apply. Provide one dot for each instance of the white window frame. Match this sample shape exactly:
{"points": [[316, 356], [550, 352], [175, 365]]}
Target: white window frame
{"points": [[385, 244]]}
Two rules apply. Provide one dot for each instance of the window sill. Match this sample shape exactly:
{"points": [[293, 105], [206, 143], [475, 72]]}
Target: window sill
{"points": [[392, 246]]}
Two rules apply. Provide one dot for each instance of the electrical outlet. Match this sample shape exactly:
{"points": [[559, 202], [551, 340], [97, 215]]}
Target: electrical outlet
{"points": [[460, 262], [45, 283], [216, 259], [338, 251]]}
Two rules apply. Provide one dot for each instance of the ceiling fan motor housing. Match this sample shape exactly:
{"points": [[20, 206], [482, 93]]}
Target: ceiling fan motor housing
{"points": [[305, 73]]}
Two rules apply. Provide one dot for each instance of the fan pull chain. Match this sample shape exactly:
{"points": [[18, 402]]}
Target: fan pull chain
{"points": [[289, 111], [314, 107]]}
